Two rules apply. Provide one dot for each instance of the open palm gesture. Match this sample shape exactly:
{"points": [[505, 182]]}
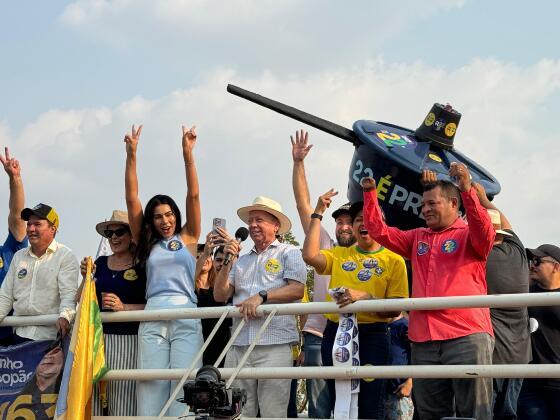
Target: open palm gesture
{"points": [[300, 148]]}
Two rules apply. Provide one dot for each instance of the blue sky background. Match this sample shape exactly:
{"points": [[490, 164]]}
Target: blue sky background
{"points": [[75, 75]]}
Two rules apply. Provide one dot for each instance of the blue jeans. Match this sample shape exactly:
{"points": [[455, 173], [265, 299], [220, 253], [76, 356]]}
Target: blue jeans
{"points": [[319, 405], [536, 402], [506, 393]]}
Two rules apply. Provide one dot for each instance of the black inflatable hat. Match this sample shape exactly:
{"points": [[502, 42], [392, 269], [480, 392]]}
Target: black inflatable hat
{"points": [[440, 126]]}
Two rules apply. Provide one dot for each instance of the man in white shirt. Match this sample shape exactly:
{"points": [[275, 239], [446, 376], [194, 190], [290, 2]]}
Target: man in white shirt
{"points": [[42, 279]]}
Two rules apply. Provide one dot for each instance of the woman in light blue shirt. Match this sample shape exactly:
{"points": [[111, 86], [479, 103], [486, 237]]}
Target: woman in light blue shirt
{"points": [[167, 249]]}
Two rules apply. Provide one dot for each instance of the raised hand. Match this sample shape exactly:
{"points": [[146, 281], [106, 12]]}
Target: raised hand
{"points": [[368, 183], [428, 177], [131, 139], [325, 201], [481, 193], [300, 148], [11, 165], [189, 139], [461, 172]]}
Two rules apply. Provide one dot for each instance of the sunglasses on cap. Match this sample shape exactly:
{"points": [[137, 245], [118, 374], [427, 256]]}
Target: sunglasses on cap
{"points": [[108, 233], [536, 261]]}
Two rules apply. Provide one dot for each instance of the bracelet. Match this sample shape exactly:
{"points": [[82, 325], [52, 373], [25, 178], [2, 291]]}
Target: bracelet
{"points": [[316, 216]]}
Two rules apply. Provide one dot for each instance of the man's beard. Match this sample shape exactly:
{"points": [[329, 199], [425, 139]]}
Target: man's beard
{"points": [[345, 240]]}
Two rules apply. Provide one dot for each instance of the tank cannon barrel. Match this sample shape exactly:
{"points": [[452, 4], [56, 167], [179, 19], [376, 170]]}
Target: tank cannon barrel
{"points": [[296, 114]]}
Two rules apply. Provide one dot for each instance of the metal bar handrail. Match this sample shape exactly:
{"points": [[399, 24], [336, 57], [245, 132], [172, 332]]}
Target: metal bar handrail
{"points": [[381, 305]]}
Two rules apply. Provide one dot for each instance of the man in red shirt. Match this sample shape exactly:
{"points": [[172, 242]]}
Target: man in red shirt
{"points": [[448, 258]]}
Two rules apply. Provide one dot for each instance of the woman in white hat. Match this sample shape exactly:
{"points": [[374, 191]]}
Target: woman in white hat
{"points": [[167, 249], [120, 286]]}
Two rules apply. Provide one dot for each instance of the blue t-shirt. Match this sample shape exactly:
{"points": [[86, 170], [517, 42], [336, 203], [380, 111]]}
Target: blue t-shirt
{"points": [[400, 348], [7, 251], [170, 270], [129, 285]]}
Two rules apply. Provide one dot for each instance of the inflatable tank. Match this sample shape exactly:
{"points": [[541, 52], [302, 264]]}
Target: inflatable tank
{"points": [[394, 156]]}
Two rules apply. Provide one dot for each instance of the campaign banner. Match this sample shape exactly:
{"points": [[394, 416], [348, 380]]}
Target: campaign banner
{"points": [[30, 376]]}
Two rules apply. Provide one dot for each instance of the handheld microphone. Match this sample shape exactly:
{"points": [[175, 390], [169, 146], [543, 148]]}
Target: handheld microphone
{"points": [[240, 235]]}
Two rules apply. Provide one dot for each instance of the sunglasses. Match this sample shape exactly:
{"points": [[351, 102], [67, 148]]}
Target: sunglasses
{"points": [[108, 233], [538, 261]]}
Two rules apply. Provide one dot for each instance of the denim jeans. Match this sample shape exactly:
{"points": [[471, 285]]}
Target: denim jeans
{"points": [[319, 405], [506, 393], [536, 402]]}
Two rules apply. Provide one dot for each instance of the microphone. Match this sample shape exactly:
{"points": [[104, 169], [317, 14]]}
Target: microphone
{"points": [[240, 235]]}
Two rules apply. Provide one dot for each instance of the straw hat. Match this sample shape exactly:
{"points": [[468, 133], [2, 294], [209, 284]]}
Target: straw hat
{"points": [[271, 207], [119, 217], [496, 220]]}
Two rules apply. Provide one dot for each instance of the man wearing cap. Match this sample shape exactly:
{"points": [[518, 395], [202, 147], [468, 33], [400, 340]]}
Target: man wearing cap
{"points": [[540, 398], [16, 239], [448, 258], [272, 272], [319, 401], [42, 278], [507, 271]]}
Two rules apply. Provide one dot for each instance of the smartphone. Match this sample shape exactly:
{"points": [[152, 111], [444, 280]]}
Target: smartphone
{"points": [[218, 223]]}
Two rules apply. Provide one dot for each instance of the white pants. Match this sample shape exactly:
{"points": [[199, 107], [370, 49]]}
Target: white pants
{"points": [[270, 395], [166, 345]]}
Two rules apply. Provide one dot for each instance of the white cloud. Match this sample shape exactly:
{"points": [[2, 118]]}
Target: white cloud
{"points": [[74, 159]]}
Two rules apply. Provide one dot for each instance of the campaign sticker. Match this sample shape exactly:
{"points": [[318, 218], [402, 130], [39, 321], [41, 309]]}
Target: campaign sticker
{"points": [[174, 245], [130, 275], [449, 246], [273, 266], [430, 118], [370, 263], [364, 275], [422, 248], [379, 271], [355, 384], [355, 348], [355, 332], [450, 129], [22, 273], [1, 263], [343, 339], [342, 354], [355, 362], [439, 124], [435, 157], [346, 324], [349, 265]]}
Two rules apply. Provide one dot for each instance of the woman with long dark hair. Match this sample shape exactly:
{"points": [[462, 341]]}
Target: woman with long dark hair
{"points": [[167, 249]]}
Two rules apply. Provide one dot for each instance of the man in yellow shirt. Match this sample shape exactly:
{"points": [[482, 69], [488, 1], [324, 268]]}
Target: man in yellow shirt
{"points": [[364, 271]]}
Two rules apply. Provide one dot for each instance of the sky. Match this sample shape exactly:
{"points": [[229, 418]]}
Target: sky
{"points": [[76, 75]]}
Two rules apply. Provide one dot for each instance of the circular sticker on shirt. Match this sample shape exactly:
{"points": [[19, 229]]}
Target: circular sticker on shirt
{"points": [[370, 263], [379, 271], [449, 246], [22, 273], [343, 339], [355, 332], [349, 265], [346, 324], [342, 354], [130, 274], [174, 245], [355, 348], [422, 248], [364, 275], [355, 362], [355, 384], [273, 266], [1, 263]]}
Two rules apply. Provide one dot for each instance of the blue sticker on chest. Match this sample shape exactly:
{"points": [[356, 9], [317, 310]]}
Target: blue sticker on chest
{"points": [[364, 275], [449, 246], [174, 245], [370, 263], [22, 273], [349, 265], [422, 248]]}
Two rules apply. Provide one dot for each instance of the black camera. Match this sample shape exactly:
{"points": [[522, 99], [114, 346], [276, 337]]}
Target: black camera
{"points": [[208, 397]]}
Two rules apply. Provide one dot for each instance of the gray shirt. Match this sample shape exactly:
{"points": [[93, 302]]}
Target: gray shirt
{"points": [[270, 269]]}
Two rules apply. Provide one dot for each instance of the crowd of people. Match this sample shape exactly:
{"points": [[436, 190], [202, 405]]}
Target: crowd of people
{"points": [[156, 262]]}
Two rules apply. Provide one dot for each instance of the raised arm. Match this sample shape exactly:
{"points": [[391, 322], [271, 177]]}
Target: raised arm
{"points": [[223, 289], [17, 198], [396, 240], [311, 246], [481, 231], [300, 149], [191, 229], [133, 204]]}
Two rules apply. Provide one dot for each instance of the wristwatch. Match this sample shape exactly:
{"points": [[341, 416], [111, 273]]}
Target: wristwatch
{"points": [[264, 295], [316, 216]]}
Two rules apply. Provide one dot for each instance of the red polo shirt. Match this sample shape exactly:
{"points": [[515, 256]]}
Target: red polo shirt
{"points": [[450, 262]]}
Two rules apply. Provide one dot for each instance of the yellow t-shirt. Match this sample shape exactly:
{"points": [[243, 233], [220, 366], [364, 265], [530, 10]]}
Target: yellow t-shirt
{"points": [[381, 273]]}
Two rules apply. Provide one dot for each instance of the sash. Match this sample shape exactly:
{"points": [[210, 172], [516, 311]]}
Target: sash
{"points": [[345, 353]]}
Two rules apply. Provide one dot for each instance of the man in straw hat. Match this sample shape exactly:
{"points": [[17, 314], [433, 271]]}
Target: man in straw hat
{"points": [[272, 272], [16, 239], [42, 279]]}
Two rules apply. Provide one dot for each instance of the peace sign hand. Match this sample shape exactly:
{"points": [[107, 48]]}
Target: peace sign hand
{"points": [[11, 165], [325, 201], [131, 139]]}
